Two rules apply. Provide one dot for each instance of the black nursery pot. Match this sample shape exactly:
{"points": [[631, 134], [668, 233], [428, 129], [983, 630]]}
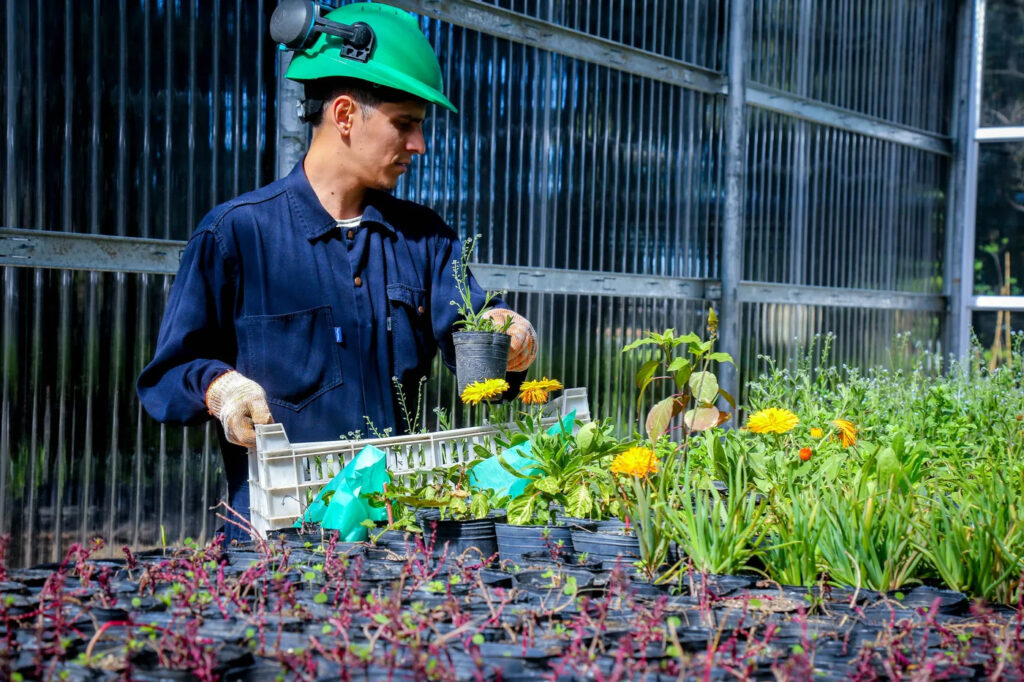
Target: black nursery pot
{"points": [[480, 356], [515, 541], [460, 537], [608, 547]]}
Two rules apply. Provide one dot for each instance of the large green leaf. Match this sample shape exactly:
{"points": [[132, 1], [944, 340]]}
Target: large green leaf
{"points": [[644, 374], [677, 364], [701, 418], [660, 416], [548, 484], [704, 386], [520, 510], [579, 502]]}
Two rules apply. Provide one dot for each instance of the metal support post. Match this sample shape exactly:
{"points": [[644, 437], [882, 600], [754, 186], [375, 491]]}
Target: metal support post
{"points": [[292, 133], [963, 178], [735, 180]]}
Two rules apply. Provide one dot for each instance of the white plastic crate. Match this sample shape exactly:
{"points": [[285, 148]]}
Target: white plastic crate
{"points": [[284, 476]]}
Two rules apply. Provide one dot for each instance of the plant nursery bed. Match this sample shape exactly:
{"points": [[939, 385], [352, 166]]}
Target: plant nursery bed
{"points": [[321, 609]]}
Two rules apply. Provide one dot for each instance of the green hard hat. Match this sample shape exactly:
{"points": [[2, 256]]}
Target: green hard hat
{"points": [[402, 58]]}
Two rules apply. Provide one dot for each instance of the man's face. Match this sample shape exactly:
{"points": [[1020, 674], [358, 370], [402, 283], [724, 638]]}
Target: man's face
{"points": [[385, 140]]}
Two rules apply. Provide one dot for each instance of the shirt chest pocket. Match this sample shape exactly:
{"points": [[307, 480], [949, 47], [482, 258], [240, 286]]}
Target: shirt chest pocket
{"points": [[293, 356], [410, 324]]}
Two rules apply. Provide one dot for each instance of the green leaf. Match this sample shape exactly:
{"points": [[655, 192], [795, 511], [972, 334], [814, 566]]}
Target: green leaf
{"points": [[478, 507], [478, 639], [639, 342], [548, 484], [510, 469], [579, 502], [381, 618], [520, 510], [644, 374], [701, 418], [659, 417], [728, 397], [320, 598], [678, 364], [704, 386], [721, 357]]}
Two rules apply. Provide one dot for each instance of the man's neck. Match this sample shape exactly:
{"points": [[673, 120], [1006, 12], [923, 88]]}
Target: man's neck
{"points": [[338, 192]]}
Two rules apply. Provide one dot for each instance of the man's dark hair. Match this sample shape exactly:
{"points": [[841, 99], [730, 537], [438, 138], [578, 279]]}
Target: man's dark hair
{"points": [[368, 95]]}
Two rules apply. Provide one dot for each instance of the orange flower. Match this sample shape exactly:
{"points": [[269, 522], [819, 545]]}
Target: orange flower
{"points": [[805, 454], [847, 432], [536, 392], [639, 462]]}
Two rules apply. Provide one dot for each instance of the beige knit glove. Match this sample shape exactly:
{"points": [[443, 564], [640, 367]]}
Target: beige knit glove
{"points": [[523, 350], [238, 403]]}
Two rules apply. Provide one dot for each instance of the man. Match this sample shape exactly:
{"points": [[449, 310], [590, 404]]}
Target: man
{"points": [[302, 302]]}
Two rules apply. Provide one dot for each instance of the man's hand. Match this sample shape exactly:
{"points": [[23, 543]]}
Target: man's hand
{"points": [[523, 350], [239, 404]]}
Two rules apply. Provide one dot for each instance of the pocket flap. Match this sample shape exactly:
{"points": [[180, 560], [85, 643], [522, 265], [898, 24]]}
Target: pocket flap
{"points": [[409, 295]]}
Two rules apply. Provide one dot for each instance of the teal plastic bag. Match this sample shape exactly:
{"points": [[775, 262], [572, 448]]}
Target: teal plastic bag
{"points": [[488, 474], [345, 509]]}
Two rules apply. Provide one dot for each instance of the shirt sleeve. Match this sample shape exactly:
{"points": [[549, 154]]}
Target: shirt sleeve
{"points": [[197, 340]]}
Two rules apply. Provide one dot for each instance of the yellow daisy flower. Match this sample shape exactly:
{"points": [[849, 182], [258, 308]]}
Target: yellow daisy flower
{"points": [[816, 432], [847, 432], [639, 462], [772, 420], [478, 391], [536, 392]]}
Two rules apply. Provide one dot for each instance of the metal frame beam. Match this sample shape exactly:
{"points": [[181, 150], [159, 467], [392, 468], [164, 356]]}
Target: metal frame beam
{"points": [[519, 28], [67, 251]]}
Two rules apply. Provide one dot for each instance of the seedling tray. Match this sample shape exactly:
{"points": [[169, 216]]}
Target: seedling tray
{"points": [[284, 476]]}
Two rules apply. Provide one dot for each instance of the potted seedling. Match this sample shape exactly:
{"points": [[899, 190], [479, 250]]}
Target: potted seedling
{"points": [[481, 345]]}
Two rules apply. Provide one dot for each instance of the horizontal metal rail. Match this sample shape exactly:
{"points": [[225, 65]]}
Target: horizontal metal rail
{"points": [[526, 30], [1006, 134], [763, 292], [70, 251], [1012, 303], [66, 251]]}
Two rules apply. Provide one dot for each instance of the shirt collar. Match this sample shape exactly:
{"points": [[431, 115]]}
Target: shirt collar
{"points": [[314, 218]]}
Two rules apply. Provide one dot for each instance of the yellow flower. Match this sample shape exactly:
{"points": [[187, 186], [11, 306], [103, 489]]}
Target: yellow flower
{"points": [[483, 390], [536, 392], [816, 432], [635, 462], [772, 420], [847, 432]]}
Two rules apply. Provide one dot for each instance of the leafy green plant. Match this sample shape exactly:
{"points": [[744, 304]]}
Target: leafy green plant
{"points": [[445, 489], [718, 533], [689, 372], [471, 319], [974, 540], [871, 534], [793, 556], [570, 470]]}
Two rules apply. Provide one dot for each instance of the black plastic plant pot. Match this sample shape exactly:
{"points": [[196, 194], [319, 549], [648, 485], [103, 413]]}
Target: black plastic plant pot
{"points": [[515, 541], [480, 356], [606, 546], [474, 539]]}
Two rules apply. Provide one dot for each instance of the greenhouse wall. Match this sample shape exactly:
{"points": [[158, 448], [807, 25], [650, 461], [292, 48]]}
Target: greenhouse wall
{"points": [[589, 153]]}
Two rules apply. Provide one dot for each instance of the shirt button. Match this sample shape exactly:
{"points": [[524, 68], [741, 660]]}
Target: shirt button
{"points": [[358, 281], [421, 310], [351, 234]]}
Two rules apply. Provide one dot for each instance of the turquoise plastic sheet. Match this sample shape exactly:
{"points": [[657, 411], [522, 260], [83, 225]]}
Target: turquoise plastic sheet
{"points": [[488, 474], [344, 509]]}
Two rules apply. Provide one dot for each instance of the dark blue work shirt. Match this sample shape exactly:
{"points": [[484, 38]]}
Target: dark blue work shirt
{"points": [[322, 318]]}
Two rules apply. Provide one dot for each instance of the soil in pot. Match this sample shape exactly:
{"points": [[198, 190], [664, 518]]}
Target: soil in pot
{"points": [[515, 541], [480, 356]]}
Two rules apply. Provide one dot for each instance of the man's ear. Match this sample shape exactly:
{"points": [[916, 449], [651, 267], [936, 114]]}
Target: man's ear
{"points": [[342, 112]]}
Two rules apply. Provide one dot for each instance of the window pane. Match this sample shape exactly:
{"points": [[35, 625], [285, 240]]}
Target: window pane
{"points": [[999, 251], [1002, 88], [997, 332]]}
